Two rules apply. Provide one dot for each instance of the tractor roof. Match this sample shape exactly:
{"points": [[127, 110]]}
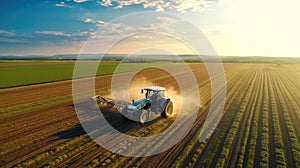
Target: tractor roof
{"points": [[155, 88]]}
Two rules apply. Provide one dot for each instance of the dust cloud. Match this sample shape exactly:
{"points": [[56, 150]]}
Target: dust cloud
{"points": [[175, 96], [174, 93], [135, 88]]}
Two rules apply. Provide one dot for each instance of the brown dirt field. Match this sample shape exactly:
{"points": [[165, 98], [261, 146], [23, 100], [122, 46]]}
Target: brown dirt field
{"points": [[28, 134], [52, 135]]}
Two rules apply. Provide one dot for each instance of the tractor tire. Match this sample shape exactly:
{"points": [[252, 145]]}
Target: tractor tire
{"points": [[143, 117], [168, 111]]}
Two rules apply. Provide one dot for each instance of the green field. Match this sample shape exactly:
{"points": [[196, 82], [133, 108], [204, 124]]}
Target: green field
{"points": [[20, 73]]}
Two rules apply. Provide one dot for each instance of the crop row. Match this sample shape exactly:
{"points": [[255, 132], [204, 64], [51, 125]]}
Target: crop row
{"points": [[289, 90], [249, 132], [232, 108], [277, 139], [292, 142], [264, 129], [269, 131], [189, 156], [196, 147], [108, 157], [228, 141]]}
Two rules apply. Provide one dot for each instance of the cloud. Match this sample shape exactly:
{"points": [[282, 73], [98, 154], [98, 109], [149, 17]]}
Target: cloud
{"points": [[9, 40], [160, 5], [105, 3], [112, 30], [63, 4], [55, 33], [80, 1], [43, 41], [12, 37], [80, 34], [191, 5], [100, 23], [88, 20], [4, 33], [60, 4], [71, 36], [121, 3]]}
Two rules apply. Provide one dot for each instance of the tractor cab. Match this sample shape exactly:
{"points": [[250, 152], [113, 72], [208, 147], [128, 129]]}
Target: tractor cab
{"points": [[157, 92], [156, 96]]}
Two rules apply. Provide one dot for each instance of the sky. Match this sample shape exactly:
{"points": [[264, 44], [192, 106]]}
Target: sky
{"points": [[234, 28]]}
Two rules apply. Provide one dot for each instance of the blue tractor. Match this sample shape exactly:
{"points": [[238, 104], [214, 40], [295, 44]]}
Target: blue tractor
{"points": [[155, 101]]}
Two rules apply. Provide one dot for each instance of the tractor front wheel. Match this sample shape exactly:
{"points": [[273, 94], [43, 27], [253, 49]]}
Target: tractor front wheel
{"points": [[143, 117]]}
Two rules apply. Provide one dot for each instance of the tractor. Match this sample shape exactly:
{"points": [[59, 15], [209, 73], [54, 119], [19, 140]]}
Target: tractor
{"points": [[155, 101]]}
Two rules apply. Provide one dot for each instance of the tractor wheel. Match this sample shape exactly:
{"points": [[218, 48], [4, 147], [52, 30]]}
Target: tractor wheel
{"points": [[168, 111], [124, 113], [143, 117]]}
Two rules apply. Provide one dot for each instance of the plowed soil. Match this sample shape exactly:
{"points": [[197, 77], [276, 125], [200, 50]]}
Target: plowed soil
{"points": [[44, 132]]}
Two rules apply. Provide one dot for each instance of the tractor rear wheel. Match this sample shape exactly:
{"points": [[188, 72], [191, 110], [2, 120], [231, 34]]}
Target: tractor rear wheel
{"points": [[168, 111]]}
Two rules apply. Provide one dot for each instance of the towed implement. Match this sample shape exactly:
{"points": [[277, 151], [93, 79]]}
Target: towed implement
{"points": [[103, 101]]}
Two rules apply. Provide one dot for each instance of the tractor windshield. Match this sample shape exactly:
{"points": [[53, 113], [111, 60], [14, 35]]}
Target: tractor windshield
{"points": [[149, 93], [159, 94]]}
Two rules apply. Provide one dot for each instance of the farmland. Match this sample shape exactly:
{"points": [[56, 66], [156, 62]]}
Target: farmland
{"points": [[32, 72], [260, 125], [28, 72]]}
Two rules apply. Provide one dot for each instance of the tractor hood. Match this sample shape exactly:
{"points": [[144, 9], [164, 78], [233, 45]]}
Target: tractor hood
{"points": [[139, 104]]}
